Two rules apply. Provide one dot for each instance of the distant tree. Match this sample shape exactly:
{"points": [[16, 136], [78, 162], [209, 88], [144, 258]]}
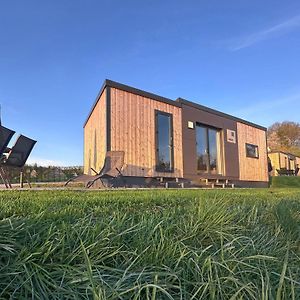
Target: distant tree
{"points": [[284, 136]]}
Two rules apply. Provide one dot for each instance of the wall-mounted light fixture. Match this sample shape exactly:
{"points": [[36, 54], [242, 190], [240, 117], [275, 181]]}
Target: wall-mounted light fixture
{"points": [[190, 124]]}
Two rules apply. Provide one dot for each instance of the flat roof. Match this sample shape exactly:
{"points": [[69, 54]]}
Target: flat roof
{"points": [[177, 103], [286, 153]]}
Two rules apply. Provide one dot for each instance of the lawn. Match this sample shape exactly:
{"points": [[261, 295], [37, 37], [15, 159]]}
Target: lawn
{"points": [[158, 244], [285, 181]]}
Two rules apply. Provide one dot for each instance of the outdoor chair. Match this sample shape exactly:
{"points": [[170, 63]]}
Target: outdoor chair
{"points": [[282, 171], [83, 178], [18, 156], [110, 175], [5, 136], [285, 172], [111, 158]]}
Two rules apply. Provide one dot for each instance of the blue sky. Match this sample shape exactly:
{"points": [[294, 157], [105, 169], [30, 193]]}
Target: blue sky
{"points": [[240, 57]]}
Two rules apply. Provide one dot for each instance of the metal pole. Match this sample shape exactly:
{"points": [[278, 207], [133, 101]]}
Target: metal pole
{"points": [[2, 175], [21, 179]]}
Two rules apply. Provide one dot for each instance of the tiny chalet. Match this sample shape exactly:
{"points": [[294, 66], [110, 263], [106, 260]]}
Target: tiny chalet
{"points": [[163, 138], [284, 163]]}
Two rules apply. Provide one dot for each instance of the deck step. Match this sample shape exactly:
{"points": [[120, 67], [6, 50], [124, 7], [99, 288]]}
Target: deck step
{"points": [[173, 182], [217, 182]]}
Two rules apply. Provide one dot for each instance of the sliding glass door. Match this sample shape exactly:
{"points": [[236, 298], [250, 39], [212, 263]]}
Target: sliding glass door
{"points": [[202, 146], [208, 149]]}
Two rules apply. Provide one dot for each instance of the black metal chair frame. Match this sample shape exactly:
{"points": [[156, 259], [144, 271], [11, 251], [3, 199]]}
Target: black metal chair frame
{"points": [[17, 158], [85, 178], [4, 141]]}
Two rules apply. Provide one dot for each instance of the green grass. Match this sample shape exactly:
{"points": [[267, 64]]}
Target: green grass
{"points": [[285, 182], [160, 244]]}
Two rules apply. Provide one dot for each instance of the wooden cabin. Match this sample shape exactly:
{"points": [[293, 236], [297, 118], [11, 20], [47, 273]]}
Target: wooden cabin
{"points": [[298, 165], [164, 138], [283, 163]]}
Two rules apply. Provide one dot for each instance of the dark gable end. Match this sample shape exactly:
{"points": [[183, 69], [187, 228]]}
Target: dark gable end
{"points": [[177, 103]]}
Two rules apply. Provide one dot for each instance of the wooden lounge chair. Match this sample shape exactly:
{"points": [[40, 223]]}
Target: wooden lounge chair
{"points": [[110, 175], [89, 180], [18, 156], [5, 136], [83, 178]]}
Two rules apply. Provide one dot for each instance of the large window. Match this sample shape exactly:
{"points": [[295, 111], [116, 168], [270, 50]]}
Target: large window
{"points": [[208, 149], [164, 142], [251, 150]]}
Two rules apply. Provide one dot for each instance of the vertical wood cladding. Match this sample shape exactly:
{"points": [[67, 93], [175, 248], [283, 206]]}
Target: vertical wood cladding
{"points": [[298, 163], [123, 119], [133, 131], [95, 137], [275, 161], [282, 160], [252, 169]]}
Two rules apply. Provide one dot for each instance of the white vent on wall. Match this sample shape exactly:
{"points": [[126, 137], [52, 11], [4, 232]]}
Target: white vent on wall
{"points": [[231, 136]]}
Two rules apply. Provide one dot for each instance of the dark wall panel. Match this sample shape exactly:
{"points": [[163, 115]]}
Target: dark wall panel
{"points": [[230, 150]]}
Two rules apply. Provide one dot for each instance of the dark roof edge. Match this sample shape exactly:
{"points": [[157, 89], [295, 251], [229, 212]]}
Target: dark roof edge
{"points": [[132, 90], [142, 93], [279, 151], [177, 103], [219, 113]]}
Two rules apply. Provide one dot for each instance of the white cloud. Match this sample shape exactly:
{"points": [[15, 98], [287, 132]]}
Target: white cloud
{"points": [[45, 162], [269, 109], [265, 34]]}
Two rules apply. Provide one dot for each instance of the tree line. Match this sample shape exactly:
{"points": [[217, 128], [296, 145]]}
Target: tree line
{"points": [[284, 136], [37, 173]]}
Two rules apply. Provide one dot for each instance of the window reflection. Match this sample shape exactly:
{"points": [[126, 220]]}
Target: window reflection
{"points": [[208, 149], [164, 141], [251, 150]]}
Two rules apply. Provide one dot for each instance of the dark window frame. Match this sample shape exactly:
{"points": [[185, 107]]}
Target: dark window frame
{"points": [[257, 150], [158, 168]]}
